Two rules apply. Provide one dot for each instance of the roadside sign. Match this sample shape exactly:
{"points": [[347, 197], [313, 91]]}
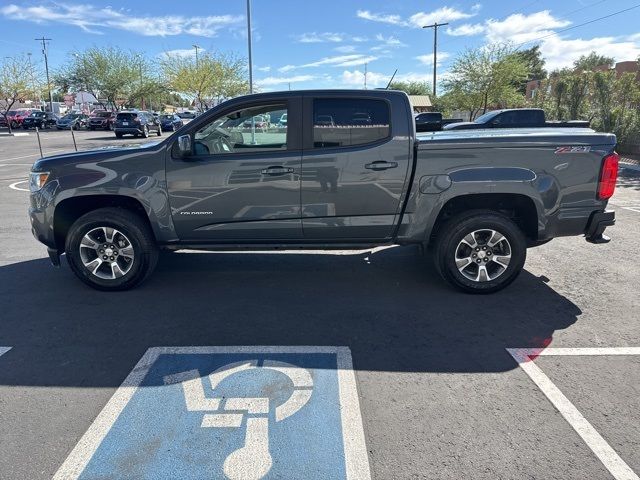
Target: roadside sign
{"points": [[229, 412]]}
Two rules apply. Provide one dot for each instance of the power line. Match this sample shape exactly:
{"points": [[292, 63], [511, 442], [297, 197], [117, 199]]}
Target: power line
{"points": [[577, 26], [46, 66]]}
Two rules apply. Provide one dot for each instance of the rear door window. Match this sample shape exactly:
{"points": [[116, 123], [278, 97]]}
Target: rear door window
{"points": [[344, 122]]}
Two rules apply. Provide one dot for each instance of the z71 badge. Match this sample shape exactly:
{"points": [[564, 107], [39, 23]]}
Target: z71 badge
{"points": [[585, 149]]}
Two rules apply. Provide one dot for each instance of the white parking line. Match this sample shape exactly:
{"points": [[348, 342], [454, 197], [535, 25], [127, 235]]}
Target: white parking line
{"points": [[4, 350], [598, 445], [13, 186], [33, 155]]}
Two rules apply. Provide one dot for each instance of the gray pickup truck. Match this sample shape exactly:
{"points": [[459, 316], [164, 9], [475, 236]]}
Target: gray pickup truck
{"points": [[324, 170]]}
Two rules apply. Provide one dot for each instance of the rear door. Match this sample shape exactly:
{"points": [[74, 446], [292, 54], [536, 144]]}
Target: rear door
{"points": [[354, 166], [243, 180]]}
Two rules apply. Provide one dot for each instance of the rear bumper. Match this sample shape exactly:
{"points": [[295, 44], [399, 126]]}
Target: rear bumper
{"points": [[598, 222]]}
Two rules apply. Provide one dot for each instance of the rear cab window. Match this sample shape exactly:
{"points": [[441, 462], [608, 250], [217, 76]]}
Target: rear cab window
{"points": [[347, 122]]}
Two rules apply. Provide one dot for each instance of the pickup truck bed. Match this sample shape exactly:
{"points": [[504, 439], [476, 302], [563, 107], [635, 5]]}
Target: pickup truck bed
{"points": [[346, 169]]}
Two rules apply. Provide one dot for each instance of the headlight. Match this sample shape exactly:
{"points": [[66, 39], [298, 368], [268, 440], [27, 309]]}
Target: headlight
{"points": [[37, 180]]}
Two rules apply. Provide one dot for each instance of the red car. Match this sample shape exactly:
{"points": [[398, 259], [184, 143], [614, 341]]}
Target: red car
{"points": [[15, 117], [101, 119]]}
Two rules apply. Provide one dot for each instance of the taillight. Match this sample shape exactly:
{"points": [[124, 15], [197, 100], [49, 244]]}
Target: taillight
{"points": [[608, 176]]}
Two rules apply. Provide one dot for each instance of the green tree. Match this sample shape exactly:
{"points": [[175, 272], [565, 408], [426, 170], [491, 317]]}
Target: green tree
{"points": [[486, 77], [15, 83], [532, 58], [592, 61], [412, 88], [214, 76], [108, 73]]}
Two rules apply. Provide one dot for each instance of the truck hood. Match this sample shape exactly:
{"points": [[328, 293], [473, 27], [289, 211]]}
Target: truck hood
{"points": [[98, 154]]}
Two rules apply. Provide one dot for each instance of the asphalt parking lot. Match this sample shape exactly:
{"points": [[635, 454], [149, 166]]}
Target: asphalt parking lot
{"points": [[439, 395]]}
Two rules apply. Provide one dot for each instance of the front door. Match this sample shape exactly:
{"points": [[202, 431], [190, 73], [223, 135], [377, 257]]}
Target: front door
{"points": [[242, 180], [354, 169]]}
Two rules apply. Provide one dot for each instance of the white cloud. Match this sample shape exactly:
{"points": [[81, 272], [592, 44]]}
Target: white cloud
{"points": [[380, 17], [335, 61], [282, 80], [355, 78], [345, 49], [441, 15], [387, 42], [92, 19], [428, 59], [466, 30], [561, 52], [520, 28], [324, 37], [420, 19], [266, 68]]}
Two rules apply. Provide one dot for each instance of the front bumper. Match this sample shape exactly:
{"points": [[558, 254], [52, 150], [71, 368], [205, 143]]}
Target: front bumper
{"points": [[599, 221]]}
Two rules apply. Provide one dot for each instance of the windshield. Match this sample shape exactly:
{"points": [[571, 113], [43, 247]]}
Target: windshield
{"points": [[486, 117], [37, 114], [101, 114], [71, 116], [11, 112], [166, 117]]}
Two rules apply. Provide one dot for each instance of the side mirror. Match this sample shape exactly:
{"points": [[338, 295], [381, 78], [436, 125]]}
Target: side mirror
{"points": [[184, 145]]}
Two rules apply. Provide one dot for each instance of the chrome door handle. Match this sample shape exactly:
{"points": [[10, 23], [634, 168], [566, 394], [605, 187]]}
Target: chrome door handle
{"points": [[278, 170], [381, 165]]}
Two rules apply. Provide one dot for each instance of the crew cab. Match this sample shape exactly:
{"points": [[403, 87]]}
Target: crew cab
{"points": [[513, 118], [432, 121], [476, 200]]}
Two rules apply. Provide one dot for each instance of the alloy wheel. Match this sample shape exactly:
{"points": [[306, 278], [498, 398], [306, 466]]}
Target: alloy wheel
{"points": [[106, 253], [483, 255]]}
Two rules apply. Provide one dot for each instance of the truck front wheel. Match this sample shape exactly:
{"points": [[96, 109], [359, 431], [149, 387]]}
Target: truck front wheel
{"points": [[111, 249], [480, 251]]}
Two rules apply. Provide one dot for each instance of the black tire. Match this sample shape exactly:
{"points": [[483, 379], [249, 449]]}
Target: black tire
{"points": [[136, 231], [91, 128], [457, 228], [118, 135], [159, 132], [145, 131]]}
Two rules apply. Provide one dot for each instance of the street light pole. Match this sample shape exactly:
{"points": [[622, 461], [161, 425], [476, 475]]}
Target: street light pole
{"points": [[46, 67], [435, 50], [249, 42], [196, 47]]}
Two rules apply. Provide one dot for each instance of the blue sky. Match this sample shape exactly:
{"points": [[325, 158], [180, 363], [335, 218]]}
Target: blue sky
{"points": [[324, 44]]}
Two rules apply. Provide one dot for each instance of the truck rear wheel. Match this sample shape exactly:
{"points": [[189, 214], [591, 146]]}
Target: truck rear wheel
{"points": [[111, 249], [480, 251]]}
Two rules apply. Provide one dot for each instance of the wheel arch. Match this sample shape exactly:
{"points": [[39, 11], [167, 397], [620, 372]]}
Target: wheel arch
{"points": [[70, 209], [518, 207]]}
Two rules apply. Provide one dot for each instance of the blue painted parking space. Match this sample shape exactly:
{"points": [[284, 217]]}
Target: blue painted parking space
{"points": [[229, 412]]}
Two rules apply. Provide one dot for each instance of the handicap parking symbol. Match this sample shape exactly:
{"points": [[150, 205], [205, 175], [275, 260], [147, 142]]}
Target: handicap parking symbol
{"points": [[238, 413]]}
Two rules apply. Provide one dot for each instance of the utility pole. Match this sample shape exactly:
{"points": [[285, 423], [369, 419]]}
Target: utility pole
{"points": [[46, 67], [365, 76], [196, 47], [249, 42], [435, 50]]}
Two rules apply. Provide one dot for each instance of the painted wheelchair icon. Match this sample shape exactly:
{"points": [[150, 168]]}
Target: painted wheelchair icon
{"points": [[253, 460]]}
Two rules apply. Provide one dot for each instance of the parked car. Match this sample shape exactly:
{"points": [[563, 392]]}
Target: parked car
{"points": [[40, 119], [514, 118], [283, 120], [187, 114], [16, 117], [136, 123], [433, 121], [476, 200], [170, 122], [102, 119], [259, 121], [74, 121]]}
